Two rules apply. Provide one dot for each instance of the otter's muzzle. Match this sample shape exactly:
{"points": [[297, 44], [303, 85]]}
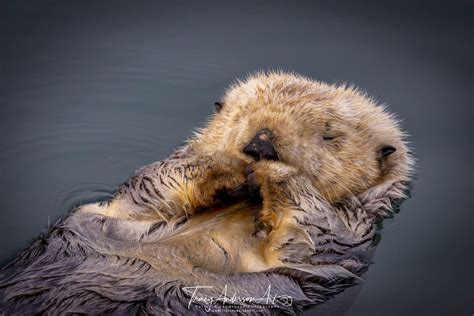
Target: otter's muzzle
{"points": [[261, 146]]}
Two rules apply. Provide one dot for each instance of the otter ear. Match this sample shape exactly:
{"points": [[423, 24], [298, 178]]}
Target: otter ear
{"points": [[218, 105], [386, 151]]}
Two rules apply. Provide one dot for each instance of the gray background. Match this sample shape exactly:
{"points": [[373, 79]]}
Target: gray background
{"points": [[90, 91]]}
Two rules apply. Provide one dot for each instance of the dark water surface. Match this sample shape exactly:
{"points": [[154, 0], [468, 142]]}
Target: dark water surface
{"points": [[90, 91]]}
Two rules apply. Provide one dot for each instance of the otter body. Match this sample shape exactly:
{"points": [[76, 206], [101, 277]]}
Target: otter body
{"points": [[284, 187]]}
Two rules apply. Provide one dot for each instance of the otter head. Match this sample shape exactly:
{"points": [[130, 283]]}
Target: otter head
{"points": [[337, 136]]}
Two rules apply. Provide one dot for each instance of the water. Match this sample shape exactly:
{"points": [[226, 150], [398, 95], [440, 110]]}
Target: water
{"points": [[91, 91]]}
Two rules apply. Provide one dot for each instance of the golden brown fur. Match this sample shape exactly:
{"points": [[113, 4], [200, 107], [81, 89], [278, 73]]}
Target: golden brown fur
{"points": [[329, 141], [283, 189]]}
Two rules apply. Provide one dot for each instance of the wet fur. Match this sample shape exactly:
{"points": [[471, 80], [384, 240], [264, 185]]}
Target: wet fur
{"points": [[184, 221]]}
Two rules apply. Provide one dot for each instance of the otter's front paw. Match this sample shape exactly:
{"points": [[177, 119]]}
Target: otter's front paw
{"points": [[223, 180], [268, 180], [267, 176]]}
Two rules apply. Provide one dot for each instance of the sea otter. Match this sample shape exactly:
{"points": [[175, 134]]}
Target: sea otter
{"points": [[280, 193]]}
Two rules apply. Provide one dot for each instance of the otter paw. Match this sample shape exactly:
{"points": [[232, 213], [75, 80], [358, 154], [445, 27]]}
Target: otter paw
{"points": [[223, 180], [267, 179], [266, 175]]}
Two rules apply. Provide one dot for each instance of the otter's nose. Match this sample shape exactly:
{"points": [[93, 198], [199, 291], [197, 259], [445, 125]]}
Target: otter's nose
{"points": [[261, 146]]}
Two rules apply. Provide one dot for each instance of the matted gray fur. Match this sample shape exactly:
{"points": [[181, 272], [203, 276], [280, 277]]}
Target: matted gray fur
{"points": [[131, 255], [77, 267]]}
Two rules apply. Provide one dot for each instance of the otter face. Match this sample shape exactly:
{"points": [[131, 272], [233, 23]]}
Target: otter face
{"points": [[335, 135]]}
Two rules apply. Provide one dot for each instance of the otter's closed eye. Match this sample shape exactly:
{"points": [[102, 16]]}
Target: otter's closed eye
{"points": [[329, 137], [330, 132], [332, 135]]}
